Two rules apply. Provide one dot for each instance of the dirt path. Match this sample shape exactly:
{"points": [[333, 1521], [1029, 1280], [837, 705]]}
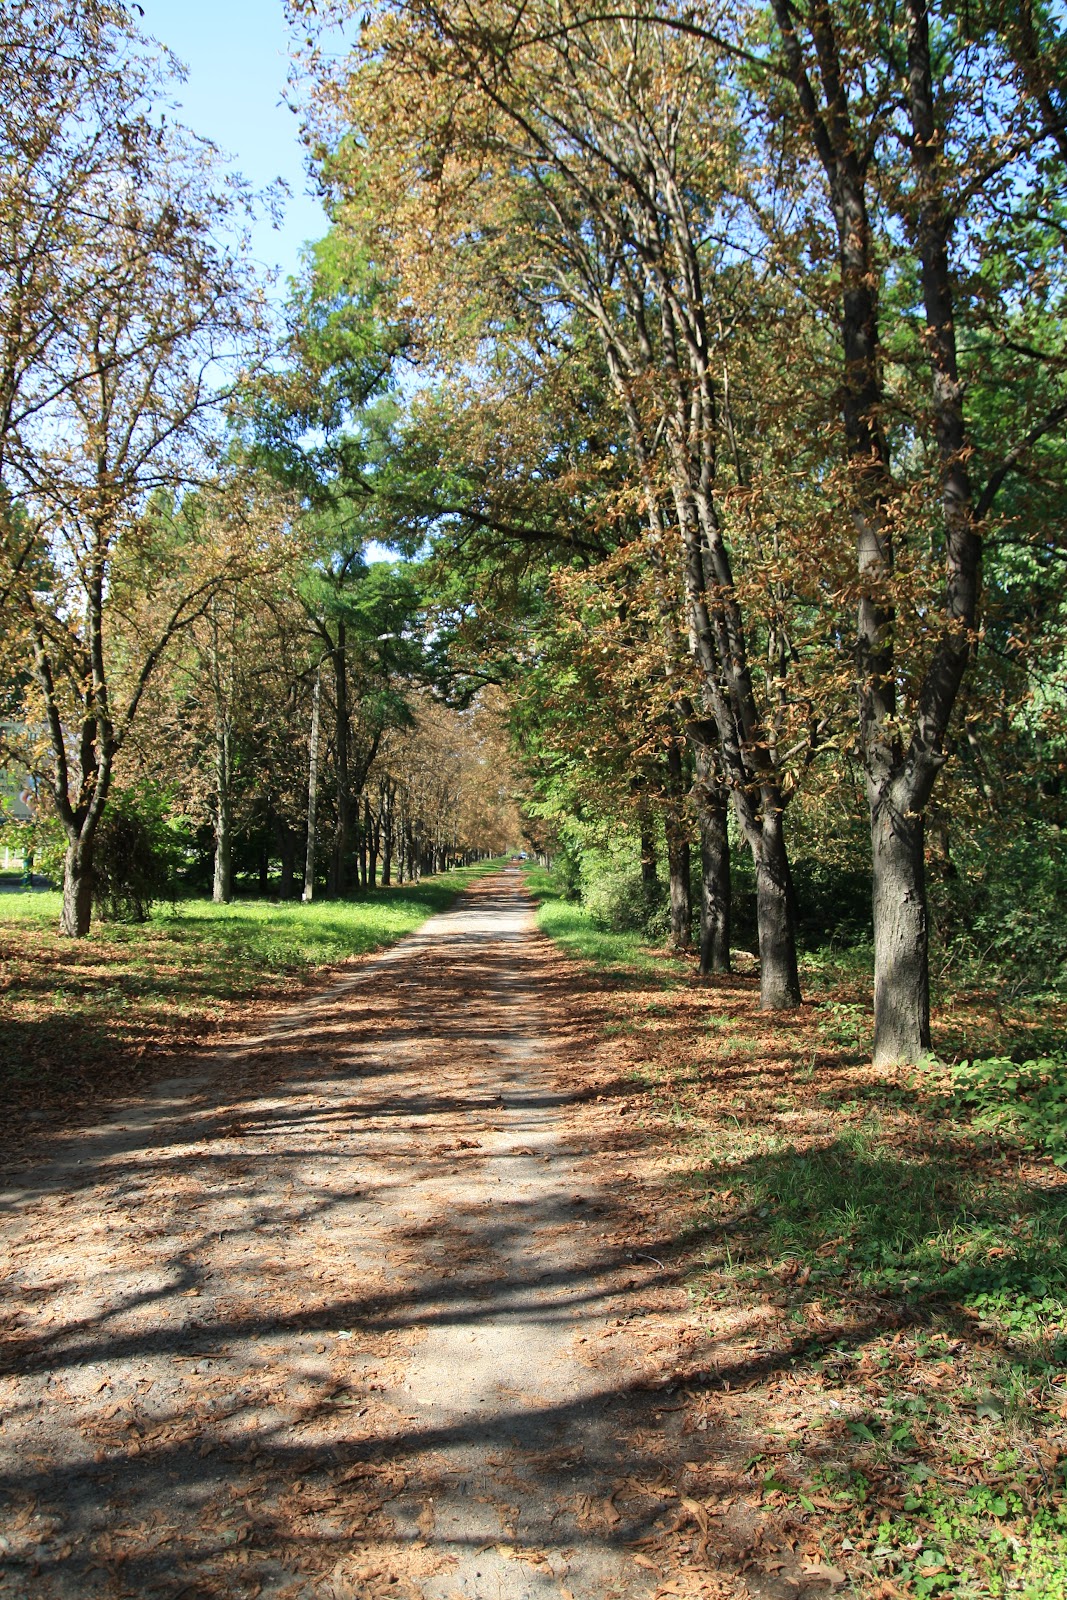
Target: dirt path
{"points": [[346, 1314]]}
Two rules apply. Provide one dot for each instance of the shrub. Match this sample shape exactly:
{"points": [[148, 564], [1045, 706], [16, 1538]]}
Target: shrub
{"points": [[138, 855]]}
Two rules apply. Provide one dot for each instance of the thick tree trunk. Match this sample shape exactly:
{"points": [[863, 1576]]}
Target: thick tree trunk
{"points": [[77, 888], [779, 981], [313, 787], [901, 960], [711, 804]]}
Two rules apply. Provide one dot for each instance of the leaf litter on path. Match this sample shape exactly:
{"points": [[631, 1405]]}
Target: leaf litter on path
{"points": [[384, 1302]]}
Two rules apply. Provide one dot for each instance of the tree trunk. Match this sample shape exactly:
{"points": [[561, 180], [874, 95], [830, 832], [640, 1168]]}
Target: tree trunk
{"points": [[679, 865], [313, 787], [779, 979], [222, 885], [361, 855], [77, 888], [901, 961], [287, 855], [679, 862], [647, 840], [649, 877], [374, 831], [339, 853], [711, 803], [387, 838]]}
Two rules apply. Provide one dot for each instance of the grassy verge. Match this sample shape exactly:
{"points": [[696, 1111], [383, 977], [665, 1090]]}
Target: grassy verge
{"points": [[878, 1266], [570, 926], [76, 1013]]}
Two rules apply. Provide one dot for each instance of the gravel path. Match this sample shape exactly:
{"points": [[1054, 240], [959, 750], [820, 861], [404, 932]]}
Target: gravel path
{"points": [[334, 1317]]}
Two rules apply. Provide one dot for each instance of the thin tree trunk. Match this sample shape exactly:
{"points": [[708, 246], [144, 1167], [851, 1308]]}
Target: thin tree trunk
{"points": [[361, 854], [387, 836], [649, 872], [222, 884], [715, 891], [374, 833], [287, 853], [313, 787], [339, 853], [647, 845], [679, 861]]}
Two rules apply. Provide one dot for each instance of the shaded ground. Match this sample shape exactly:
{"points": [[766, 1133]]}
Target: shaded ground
{"points": [[85, 1020], [378, 1303]]}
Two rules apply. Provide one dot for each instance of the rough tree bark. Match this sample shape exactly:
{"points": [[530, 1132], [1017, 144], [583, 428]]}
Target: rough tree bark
{"points": [[313, 787], [710, 800], [679, 852]]}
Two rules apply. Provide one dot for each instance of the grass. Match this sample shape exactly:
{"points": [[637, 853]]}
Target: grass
{"points": [[877, 1260], [77, 1015], [569, 925]]}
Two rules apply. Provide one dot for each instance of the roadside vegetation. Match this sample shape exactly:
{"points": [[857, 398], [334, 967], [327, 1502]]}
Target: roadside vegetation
{"points": [[877, 1258]]}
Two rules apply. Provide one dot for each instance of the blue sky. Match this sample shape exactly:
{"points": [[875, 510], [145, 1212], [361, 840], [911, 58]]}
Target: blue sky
{"points": [[237, 56]]}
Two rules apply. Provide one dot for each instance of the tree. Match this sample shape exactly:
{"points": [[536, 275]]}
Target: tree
{"points": [[127, 392], [585, 181], [896, 118]]}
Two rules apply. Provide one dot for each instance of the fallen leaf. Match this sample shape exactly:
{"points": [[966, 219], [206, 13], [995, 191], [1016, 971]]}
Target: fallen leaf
{"points": [[824, 1574], [696, 1511]]}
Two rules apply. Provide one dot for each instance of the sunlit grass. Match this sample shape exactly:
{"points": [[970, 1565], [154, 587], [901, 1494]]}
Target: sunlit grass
{"points": [[570, 926], [877, 1259]]}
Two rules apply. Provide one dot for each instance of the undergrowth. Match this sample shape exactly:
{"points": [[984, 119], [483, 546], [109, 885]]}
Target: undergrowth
{"points": [[878, 1262]]}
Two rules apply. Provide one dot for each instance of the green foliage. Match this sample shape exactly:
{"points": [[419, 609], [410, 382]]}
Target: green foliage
{"points": [[40, 839], [942, 1541], [1027, 1099], [1000, 914], [614, 894], [574, 929], [139, 853]]}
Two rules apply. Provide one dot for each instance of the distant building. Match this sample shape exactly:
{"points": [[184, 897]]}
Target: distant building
{"points": [[18, 803]]}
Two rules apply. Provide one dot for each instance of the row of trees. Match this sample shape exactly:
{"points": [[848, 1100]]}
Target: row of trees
{"points": [[745, 327], [184, 598], [125, 315], [292, 734]]}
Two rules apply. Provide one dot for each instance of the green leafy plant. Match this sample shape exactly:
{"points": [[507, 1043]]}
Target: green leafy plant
{"points": [[1028, 1098], [139, 851]]}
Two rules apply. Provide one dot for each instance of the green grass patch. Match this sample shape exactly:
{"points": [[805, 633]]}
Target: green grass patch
{"points": [[571, 926]]}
